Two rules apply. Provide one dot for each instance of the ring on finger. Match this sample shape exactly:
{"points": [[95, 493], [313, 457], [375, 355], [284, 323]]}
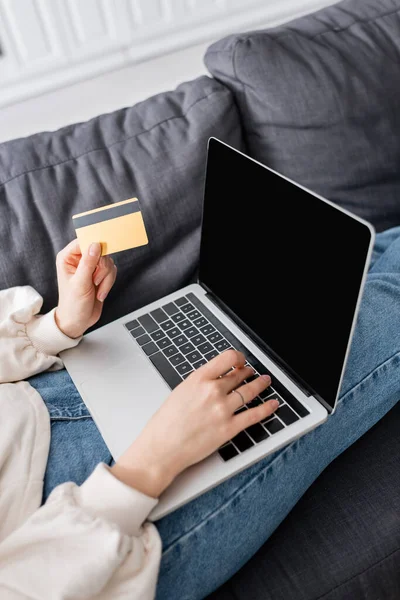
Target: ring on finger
{"points": [[241, 396]]}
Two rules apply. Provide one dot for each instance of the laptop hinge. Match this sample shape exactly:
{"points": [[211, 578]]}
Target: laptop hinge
{"points": [[264, 347]]}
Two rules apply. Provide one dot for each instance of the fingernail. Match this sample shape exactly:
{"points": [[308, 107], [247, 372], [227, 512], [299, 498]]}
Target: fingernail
{"points": [[275, 404], [266, 377], [94, 249], [97, 282], [101, 297]]}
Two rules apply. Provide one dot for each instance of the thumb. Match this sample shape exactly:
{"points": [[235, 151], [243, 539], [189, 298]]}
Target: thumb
{"points": [[88, 263]]}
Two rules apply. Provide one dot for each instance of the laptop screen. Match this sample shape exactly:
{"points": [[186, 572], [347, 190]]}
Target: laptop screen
{"points": [[288, 264]]}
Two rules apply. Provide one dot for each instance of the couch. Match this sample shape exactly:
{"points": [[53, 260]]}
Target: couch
{"points": [[316, 99]]}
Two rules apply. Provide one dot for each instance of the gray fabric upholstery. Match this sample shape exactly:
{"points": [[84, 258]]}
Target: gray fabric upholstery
{"points": [[342, 540], [155, 150], [319, 100]]}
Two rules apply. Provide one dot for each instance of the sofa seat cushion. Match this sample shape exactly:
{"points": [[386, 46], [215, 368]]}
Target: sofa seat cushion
{"points": [[319, 100], [155, 150], [342, 539]]}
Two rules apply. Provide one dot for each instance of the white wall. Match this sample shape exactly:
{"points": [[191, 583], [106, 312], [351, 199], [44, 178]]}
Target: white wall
{"points": [[68, 60]]}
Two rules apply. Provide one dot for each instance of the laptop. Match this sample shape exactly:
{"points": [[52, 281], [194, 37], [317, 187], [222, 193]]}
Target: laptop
{"points": [[280, 278]]}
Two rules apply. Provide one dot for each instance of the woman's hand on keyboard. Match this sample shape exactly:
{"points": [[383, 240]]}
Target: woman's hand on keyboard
{"points": [[195, 420]]}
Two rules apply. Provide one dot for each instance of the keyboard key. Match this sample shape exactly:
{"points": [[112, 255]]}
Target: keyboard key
{"points": [[186, 348], [176, 359], [178, 317], [143, 339], [286, 415], [267, 392], [181, 301], [170, 308], [293, 402], [187, 308], [191, 331], [201, 322], [193, 356], [158, 335], [242, 441], [137, 332], [273, 426], [159, 315], [180, 339], [200, 363], [132, 324], [170, 351], [211, 355], [273, 396], [204, 348], [183, 368], [241, 409], [198, 339], [215, 337], [256, 402], [186, 375], [150, 348], [185, 324], [257, 432], [166, 371], [194, 315], [251, 378], [148, 323], [222, 345], [207, 329], [227, 452], [167, 325], [164, 343], [174, 332]]}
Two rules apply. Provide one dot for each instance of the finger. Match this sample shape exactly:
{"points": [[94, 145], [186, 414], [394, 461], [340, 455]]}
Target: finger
{"points": [[253, 415], [250, 390], [105, 266], [235, 377], [106, 285], [71, 249], [222, 363], [88, 263]]}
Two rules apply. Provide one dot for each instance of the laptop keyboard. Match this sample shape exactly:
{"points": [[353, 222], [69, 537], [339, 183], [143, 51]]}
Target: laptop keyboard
{"points": [[184, 334]]}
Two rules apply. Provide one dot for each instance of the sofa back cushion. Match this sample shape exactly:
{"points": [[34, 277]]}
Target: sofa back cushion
{"points": [[155, 151], [319, 100]]}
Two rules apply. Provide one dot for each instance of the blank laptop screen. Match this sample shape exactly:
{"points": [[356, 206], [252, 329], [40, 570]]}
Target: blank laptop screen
{"points": [[288, 264]]}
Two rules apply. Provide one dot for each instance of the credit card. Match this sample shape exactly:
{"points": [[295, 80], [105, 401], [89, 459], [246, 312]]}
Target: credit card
{"points": [[116, 227]]}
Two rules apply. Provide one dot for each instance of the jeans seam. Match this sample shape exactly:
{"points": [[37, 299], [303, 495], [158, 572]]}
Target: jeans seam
{"points": [[280, 456], [70, 418]]}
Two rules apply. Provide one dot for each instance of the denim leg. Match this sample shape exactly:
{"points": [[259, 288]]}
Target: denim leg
{"points": [[206, 541], [76, 446]]}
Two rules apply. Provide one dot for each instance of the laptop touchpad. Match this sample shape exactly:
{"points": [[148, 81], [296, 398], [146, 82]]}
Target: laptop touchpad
{"points": [[122, 399]]}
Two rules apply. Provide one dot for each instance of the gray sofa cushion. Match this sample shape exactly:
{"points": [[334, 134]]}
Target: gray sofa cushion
{"points": [[319, 99], [155, 150]]}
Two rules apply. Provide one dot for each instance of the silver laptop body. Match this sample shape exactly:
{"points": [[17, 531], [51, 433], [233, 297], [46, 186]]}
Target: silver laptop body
{"points": [[123, 387]]}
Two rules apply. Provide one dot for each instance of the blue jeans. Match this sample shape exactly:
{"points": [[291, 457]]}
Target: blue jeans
{"points": [[206, 541]]}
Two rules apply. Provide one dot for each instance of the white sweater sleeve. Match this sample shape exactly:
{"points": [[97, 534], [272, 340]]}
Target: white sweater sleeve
{"points": [[89, 542], [29, 342], [86, 542]]}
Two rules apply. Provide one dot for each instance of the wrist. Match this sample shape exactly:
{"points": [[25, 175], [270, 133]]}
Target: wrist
{"points": [[145, 475], [69, 329]]}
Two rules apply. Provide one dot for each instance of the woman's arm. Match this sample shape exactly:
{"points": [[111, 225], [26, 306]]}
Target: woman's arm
{"points": [[29, 342]]}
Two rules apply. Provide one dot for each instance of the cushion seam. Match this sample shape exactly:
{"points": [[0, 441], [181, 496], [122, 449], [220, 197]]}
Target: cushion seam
{"points": [[106, 147], [287, 32]]}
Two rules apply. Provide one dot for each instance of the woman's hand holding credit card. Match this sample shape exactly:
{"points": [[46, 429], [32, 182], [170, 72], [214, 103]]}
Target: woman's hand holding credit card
{"points": [[116, 227]]}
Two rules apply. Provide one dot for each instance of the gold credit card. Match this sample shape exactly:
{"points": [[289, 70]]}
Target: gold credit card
{"points": [[116, 227]]}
